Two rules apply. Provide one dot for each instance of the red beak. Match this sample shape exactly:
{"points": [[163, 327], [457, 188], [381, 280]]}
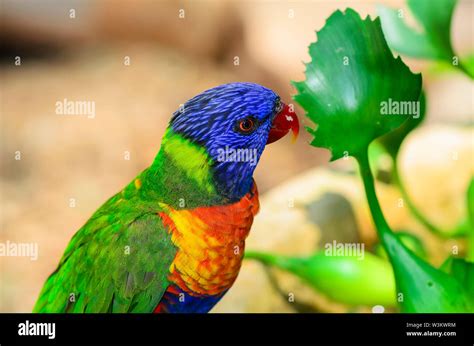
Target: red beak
{"points": [[284, 121]]}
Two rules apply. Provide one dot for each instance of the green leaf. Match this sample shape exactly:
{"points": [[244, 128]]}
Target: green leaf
{"points": [[350, 82], [423, 287], [411, 241], [353, 280], [463, 271], [435, 19]]}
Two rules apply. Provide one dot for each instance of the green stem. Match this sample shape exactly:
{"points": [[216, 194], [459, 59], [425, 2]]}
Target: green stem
{"points": [[425, 288], [470, 246], [458, 231], [383, 229], [460, 66], [270, 259], [263, 257], [470, 220], [385, 234], [463, 68]]}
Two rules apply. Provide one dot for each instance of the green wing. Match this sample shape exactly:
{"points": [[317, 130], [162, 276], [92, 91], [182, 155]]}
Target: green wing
{"points": [[117, 262]]}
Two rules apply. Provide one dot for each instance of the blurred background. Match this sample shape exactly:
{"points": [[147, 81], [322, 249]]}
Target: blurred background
{"points": [[138, 61]]}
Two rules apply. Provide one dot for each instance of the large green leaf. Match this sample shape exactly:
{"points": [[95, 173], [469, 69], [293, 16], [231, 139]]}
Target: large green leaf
{"points": [[433, 42], [350, 78]]}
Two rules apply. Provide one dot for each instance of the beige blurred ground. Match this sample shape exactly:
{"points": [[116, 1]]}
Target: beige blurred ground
{"points": [[172, 59]]}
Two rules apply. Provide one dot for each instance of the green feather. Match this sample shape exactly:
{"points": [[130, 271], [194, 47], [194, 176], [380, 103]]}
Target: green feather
{"points": [[112, 278], [119, 260]]}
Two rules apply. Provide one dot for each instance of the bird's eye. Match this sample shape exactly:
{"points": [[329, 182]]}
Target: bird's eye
{"points": [[246, 125], [278, 106]]}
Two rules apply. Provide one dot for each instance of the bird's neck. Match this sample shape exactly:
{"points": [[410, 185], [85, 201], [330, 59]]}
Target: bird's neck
{"points": [[183, 175]]}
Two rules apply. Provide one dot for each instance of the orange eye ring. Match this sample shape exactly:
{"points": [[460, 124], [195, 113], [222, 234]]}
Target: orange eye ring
{"points": [[246, 125]]}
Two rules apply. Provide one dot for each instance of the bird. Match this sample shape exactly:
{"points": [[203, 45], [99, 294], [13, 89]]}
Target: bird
{"points": [[173, 240]]}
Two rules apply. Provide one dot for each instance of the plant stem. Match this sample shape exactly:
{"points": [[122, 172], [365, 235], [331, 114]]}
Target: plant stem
{"points": [[385, 234], [470, 246], [470, 217], [425, 288], [463, 68], [416, 212], [270, 259], [263, 257]]}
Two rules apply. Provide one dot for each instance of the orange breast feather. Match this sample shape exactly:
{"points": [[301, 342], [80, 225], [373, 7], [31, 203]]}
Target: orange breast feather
{"points": [[210, 243]]}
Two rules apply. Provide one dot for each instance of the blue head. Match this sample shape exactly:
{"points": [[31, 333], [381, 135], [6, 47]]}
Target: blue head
{"points": [[232, 122]]}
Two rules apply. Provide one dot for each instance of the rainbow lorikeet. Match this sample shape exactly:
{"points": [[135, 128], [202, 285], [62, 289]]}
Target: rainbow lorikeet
{"points": [[173, 239]]}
